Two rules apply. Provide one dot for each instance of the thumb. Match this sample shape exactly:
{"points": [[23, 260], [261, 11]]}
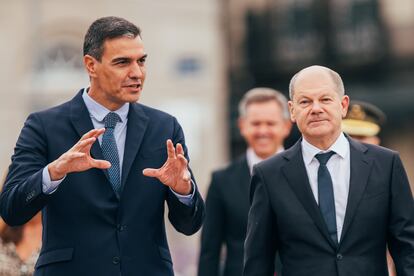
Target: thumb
{"points": [[100, 164], [150, 172]]}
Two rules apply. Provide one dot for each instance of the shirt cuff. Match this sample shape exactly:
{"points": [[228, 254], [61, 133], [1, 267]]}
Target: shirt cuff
{"points": [[49, 186], [186, 199]]}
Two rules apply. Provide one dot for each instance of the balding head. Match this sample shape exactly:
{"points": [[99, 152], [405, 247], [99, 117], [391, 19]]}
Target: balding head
{"points": [[318, 105], [317, 71]]}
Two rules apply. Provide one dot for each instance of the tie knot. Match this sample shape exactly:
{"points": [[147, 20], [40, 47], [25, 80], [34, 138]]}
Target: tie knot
{"points": [[324, 157], [111, 119]]}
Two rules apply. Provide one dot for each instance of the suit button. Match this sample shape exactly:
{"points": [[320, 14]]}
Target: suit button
{"points": [[116, 260], [120, 227], [339, 257]]}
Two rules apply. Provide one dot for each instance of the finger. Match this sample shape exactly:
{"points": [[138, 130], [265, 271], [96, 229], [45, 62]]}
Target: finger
{"points": [[151, 172], [93, 133], [84, 144], [88, 146], [182, 159], [100, 164], [76, 155], [179, 149], [170, 149]]}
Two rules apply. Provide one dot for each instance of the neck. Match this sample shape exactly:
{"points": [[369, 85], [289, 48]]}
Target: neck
{"points": [[322, 143], [99, 97]]}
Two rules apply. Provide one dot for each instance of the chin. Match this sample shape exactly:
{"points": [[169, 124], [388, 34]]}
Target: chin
{"points": [[320, 130], [132, 98], [264, 153]]}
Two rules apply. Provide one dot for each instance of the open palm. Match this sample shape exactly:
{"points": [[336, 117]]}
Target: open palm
{"points": [[174, 173]]}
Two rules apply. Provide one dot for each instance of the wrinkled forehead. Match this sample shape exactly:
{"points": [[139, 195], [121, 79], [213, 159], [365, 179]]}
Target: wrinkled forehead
{"points": [[314, 80]]}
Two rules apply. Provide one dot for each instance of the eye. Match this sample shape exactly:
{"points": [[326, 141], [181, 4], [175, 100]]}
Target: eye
{"points": [[142, 60], [122, 62], [326, 100], [304, 102]]}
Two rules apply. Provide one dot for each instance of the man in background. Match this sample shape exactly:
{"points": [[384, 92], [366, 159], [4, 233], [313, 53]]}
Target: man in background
{"points": [[264, 124], [91, 165], [363, 122]]}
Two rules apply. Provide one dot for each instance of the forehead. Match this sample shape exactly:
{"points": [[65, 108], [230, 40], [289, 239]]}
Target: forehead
{"points": [[123, 46], [270, 109], [314, 81]]}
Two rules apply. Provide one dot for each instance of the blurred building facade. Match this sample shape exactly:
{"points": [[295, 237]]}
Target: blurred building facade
{"points": [[369, 42]]}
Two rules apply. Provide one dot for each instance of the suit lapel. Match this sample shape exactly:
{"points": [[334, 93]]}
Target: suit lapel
{"points": [[82, 122], [360, 169], [295, 172], [243, 175], [137, 124]]}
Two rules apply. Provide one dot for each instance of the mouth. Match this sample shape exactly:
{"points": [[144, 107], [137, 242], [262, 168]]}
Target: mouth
{"points": [[134, 87], [263, 140], [317, 121]]}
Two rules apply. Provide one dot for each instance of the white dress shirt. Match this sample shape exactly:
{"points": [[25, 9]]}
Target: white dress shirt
{"points": [[97, 113], [253, 159], [339, 167]]}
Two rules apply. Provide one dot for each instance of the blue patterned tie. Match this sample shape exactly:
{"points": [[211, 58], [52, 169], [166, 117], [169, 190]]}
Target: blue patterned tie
{"points": [[326, 195], [110, 151]]}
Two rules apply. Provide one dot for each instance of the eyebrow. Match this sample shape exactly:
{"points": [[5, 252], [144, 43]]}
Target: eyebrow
{"points": [[115, 60]]}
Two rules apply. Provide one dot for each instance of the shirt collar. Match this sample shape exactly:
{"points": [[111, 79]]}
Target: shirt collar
{"points": [[253, 159], [99, 111], [340, 147]]}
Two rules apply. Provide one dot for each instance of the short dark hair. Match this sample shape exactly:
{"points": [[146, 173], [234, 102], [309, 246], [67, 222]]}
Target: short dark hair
{"points": [[107, 28]]}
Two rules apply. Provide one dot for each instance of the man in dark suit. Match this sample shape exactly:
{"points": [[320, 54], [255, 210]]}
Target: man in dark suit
{"points": [[102, 204], [264, 124], [329, 205]]}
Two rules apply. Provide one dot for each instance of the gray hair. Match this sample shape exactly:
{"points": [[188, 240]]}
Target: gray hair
{"points": [[263, 94], [336, 78]]}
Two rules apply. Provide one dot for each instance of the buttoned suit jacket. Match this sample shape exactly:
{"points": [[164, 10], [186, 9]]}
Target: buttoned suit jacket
{"points": [[285, 217], [87, 229]]}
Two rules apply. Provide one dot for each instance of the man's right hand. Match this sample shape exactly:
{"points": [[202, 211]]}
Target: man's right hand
{"points": [[78, 158]]}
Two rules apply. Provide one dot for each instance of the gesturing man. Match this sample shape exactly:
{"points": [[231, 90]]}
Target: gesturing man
{"points": [[90, 165]]}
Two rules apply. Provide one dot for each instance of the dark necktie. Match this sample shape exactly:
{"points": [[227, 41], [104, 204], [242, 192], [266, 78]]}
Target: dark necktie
{"points": [[110, 151], [326, 195]]}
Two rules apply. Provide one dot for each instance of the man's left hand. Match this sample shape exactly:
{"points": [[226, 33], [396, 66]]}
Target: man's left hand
{"points": [[174, 173]]}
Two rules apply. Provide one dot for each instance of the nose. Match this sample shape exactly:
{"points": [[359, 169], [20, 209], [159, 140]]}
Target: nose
{"points": [[136, 71], [316, 107], [263, 129]]}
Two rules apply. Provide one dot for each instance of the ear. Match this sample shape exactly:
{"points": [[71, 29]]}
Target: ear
{"points": [[241, 123], [345, 105], [90, 64], [291, 110], [288, 128]]}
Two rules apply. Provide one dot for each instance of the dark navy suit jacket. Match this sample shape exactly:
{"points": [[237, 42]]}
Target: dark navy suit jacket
{"points": [[87, 230], [285, 217], [227, 206]]}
